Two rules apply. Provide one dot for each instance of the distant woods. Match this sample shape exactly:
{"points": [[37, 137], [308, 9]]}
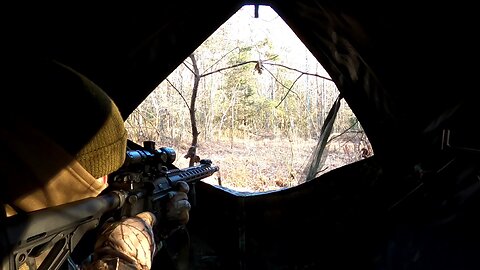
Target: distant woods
{"points": [[230, 89]]}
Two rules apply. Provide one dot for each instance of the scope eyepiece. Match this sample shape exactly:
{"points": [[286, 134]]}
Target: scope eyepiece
{"points": [[167, 155]]}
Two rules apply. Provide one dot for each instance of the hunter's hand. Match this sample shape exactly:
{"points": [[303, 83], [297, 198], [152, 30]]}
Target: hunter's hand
{"points": [[176, 210], [128, 242], [178, 207]]}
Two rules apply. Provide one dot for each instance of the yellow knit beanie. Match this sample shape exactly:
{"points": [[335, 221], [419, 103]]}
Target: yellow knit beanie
{"points": [[105, 151], [79, 116]]}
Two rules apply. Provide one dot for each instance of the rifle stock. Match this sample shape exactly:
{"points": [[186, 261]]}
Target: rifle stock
{"points": [[141, 184], [58, 229]]}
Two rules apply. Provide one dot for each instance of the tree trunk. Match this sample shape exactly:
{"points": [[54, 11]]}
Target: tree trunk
{"points": [[192, 152]]}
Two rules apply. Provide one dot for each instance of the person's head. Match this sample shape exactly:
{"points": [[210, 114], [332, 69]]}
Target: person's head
{"points": [[62, 133]]}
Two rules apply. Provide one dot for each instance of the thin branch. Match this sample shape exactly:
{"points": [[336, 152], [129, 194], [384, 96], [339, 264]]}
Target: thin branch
{"points": [[289, 89], [221, 58], [299, 71], [345, 131], [229, 67], [189, 68], [279, 82], [236, 65], [186, 103]]}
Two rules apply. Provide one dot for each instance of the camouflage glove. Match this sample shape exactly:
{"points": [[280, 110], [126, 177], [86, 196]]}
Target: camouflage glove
{"points": [[176, 211], [125, 244]]}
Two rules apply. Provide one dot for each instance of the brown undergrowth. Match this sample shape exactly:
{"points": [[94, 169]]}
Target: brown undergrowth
{"points": [[267, 164]]}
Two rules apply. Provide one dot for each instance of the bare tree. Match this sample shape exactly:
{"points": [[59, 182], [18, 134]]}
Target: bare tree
{"points": [[192, 152], [259, 66]]}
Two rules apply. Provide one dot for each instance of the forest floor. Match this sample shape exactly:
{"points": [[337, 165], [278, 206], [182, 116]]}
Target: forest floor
{"points": [[266, 164]]}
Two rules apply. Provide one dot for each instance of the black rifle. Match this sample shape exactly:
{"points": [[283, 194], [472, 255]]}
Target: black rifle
{"points": [[141, 184]]}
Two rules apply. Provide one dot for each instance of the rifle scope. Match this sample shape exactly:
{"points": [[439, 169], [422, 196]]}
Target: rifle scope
{"points": [[166, 156]]}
